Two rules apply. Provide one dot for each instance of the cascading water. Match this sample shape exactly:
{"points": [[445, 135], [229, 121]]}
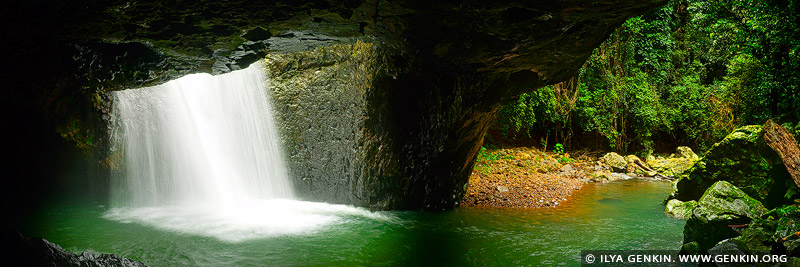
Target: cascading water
{"points": [[202, 156], [199, 138]]}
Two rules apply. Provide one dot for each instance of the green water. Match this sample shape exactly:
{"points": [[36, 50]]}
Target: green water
{"points": [[620, 215]]}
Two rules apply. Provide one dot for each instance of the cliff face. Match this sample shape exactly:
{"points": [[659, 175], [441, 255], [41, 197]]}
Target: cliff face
{"points": [[433, 74]]}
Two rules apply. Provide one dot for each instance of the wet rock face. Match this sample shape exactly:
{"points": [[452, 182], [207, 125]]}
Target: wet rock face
{"points": [[21, 251], [320, 98], [449, 66]]}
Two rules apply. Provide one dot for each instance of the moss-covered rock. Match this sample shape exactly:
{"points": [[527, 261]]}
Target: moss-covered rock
{"points": [[677, 164], [732, 246], [743, 159], [686, 152], [722, 205], [632, 159], [758, 236], [776, 232], [680, 209], [672, 167], [615, 161]]}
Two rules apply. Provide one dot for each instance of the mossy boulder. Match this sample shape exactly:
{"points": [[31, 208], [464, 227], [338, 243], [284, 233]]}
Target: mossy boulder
{"points": [[615, 161], [758, 236], [672, 167], [680, 209], [743, 159], [722, 205], [632, 159], [732, 246], [776, 232], [677, 164], [686, 152]]}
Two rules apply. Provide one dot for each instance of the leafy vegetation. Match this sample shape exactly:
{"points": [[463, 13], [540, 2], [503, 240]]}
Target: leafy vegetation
{"points": [[689, 72], [483, 162], [563, 157]]}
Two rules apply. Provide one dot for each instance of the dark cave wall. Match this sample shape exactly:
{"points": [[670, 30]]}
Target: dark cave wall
{"points": [[444, 69]]}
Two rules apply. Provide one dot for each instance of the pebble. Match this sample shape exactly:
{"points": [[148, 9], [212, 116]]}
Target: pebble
{"points": [[537, 182]]}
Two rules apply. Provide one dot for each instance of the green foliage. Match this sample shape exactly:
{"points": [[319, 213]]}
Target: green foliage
{"points": [[558, 149], [785, 210], [483, 155], [563, 158], [689, 73], [482, 162], [520, 117]]}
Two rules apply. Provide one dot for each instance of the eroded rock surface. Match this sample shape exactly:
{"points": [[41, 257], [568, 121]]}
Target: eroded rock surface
{"points": [[20, 251]]}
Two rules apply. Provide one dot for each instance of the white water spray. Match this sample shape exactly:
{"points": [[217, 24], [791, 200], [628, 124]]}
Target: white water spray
{"points": [[200, 138], [202, 156]]}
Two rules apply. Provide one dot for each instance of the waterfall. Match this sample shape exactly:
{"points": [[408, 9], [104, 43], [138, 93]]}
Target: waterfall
{"points": [[202, 156], [200, 138]]}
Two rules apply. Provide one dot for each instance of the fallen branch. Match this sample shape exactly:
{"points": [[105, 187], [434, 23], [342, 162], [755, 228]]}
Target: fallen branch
{"points": [[646, 168], [797, 234], [642, 165]]}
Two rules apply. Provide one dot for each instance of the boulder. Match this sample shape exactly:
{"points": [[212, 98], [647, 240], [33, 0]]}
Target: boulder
{"points": [[615, 161], [632, 159], [686, 152], [723, 205], [775, 232], [743, 159], [730, 246], [680, 209], [672, 167], [758, 236], [605, 177], [676, 165]]}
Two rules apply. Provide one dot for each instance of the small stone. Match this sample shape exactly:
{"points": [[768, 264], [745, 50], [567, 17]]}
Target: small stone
{"points": [[566, 169]]}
